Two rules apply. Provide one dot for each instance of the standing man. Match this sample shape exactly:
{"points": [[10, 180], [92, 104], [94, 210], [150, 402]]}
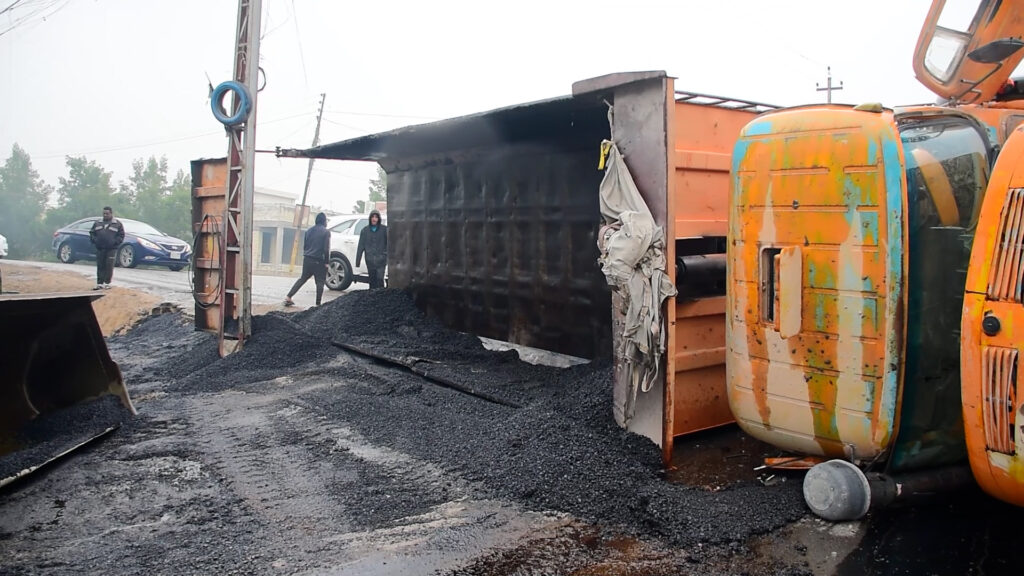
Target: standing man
{"points": [[106, 235], [374, 241], [316, 252]]}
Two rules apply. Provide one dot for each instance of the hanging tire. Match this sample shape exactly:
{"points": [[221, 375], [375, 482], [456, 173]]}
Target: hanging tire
{"points": [[126, 256], [339, 273], [66, 254], [241, 97]]}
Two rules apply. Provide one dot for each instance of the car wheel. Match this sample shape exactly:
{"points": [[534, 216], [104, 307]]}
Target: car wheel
{"points": [[126, 256], [65, 253], [175, 268], [339, 273]]}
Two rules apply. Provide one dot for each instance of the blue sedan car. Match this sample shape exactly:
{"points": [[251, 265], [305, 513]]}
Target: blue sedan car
{"points": [[142, 244]]}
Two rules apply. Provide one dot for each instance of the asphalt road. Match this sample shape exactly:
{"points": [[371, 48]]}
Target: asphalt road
{"points": [[174, 287]]}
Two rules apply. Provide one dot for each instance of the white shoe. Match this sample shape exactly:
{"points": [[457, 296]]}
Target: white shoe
{"points": [[98, 287], [106, 286]]}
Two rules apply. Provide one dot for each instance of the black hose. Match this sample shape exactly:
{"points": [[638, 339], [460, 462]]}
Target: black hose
{"points": [[192, 266]]}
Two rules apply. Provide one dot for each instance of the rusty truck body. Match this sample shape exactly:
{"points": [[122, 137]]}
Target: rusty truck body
{"points": [[494, 220]]}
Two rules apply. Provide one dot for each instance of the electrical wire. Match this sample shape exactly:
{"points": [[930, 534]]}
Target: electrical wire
{"points": [[10, 6], [32, 16], [298, 38], [380, 115], [348, 126], [158, 142]]}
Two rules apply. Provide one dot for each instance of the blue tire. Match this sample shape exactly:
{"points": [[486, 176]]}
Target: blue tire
{"points": [[241, 95]]}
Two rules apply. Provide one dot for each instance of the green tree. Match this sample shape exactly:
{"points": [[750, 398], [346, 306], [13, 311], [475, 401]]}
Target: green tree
{"points": [[177, 220], [23, 198], [85, 191], [378, 191], [379, 186], [146, 189], [167, 206]]}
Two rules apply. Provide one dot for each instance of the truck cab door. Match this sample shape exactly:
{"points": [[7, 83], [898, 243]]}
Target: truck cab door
{"points": [[993, 332], [968, 48]]}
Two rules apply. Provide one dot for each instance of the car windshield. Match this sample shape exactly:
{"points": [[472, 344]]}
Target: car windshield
{"points": [[135, 227], [343, 226]]}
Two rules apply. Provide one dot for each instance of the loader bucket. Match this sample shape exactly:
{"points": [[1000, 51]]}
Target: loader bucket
{"points": [[59, 388]]}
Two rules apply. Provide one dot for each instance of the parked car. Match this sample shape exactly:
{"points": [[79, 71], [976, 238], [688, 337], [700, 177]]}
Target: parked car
{"points": [[3, 246], [344, 240], [143, 244]]}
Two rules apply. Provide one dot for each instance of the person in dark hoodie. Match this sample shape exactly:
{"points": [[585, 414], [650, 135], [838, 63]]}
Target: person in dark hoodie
{"points": [[106, 235], [373, 240], [316, 253]]}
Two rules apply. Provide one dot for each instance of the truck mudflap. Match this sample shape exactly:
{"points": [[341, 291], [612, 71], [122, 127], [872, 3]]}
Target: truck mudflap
{"points": [[59, 388]]}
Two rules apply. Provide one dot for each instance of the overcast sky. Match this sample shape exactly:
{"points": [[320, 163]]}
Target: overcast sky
{"points": [[116, 80]]}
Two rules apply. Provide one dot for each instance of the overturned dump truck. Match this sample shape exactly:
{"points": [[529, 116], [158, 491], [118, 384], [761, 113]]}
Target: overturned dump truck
{"points": [[495, 219], [851, 231], [60, 388]]}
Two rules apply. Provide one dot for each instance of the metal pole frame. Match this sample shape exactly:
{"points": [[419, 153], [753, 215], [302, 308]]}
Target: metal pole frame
{"points": [[236, 288]]}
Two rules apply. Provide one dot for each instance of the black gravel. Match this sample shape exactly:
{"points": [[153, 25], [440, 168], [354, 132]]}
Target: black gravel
{"points": [[561, 450], [51, 434]]}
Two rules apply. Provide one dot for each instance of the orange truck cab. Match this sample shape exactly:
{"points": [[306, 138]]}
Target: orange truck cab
{"points": [[993, 400], [850, 237]]}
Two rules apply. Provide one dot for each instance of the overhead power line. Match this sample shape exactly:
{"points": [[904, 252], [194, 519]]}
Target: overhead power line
{"points": [[11, 6], [156, 142], [382, 115], [32, 16]]}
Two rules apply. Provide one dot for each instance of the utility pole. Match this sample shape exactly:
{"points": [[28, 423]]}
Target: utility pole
{"points": [[236, 239], [829, 88], [301, 213]]}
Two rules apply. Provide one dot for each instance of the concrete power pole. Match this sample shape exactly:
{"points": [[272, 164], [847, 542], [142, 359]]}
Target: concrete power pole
{"points": [[829, 88], [301, 214]]}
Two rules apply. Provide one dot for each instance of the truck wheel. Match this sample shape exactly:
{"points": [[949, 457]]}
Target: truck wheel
{"points": [[339, 273]]}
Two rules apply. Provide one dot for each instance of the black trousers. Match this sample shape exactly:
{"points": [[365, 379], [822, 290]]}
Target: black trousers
{"points": [[315, 268], [376, 276], [105, 265]]}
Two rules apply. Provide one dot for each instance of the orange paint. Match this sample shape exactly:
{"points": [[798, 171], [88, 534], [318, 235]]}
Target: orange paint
{"points": [[994, 412]]}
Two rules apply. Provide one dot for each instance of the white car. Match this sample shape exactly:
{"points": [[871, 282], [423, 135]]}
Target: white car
{"points": [[344, 240], [3, 246]]}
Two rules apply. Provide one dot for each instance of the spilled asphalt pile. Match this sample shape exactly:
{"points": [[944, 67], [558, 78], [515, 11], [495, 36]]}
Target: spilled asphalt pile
{"points": [[549, 442], [364, 437]]}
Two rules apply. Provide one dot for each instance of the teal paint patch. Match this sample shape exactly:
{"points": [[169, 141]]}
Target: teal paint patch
{"points": [[739, 152], [894, 194], [760, 127], [820, 278], [872, 152], [870, 312], [819, 312]]}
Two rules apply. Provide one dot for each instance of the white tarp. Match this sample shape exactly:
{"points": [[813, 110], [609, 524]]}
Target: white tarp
{"points": [[632, 258]]}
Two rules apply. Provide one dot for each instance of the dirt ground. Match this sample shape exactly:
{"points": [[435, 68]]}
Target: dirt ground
{"points": [[300, 455], [117, 310]]}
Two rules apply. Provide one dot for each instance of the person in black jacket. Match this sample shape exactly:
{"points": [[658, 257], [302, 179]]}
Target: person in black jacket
{"points": [[106, 235], [316, 254], [373, 240]]}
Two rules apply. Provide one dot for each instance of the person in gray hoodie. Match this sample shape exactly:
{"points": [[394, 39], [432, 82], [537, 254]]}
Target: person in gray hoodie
{"points": [[373, 241]]}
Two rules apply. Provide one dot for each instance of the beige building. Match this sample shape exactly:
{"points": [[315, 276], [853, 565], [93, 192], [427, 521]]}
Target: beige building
{"points": [[274, 231]]}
